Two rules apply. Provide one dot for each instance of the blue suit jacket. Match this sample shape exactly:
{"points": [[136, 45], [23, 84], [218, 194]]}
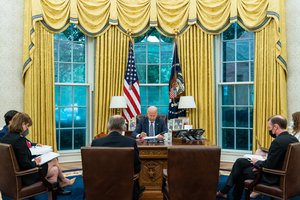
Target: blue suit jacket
{"points": [[143, 126]]}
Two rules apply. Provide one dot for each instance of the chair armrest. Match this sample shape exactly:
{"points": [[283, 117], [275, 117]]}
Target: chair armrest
{"points": [[274, 171], [136, 177], [28, 171]]}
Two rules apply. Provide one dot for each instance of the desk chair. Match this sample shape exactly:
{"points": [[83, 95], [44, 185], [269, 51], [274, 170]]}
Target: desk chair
{"points": [[108, 172], [10, 178], [289, 177], [193, 173]]}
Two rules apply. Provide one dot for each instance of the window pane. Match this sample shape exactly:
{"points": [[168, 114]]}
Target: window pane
{"points": [[228, 117], [242, 139], [56, 72], [57, 111], [153, 74], [229, 33], [242, 50], [65, 95], [143, 95], [228, 138], [153, 93], [165, 73], [242, 117], [228, 51], [79, 52], [228, 95], [252, 70], [79, 138], [144, 109], [140, 53], [55, 51], [164, 98], [79, 117], [79, 73], [242, 95], [65, 139], [251, 118], [251, 94], [65, 75], [141, 70], [164, 110], [80, 95], [166, 53], [66, 117], [241, 33], [153, 53], [65, 51], [228, 72], [242, 71], [252, 50]]}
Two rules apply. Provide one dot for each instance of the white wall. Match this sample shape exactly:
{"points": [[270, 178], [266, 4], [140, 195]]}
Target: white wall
{"points": [[11, 31], [293, 50]]}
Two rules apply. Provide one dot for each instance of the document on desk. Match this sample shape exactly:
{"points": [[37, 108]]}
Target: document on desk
{"points": [[47, 157], [150, 137], [254, 157], [39, 150]]}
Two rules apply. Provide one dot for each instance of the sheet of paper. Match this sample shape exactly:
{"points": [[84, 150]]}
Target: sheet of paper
{"points": [[150, 137], [47, 157], [254, 157], [39, 150]]}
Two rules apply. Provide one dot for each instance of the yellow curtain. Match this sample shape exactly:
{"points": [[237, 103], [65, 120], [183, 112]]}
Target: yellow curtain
{"points": [[39, 90], [196, 58], [269, 84], [111, 58]]}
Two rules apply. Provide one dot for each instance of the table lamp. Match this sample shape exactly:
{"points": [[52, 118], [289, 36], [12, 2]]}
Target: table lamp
{"points": [[118, 102], [186, 102]]}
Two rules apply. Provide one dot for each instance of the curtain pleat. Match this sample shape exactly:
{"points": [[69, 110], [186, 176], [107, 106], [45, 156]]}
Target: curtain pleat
{"points": [[111, 58], [269, 84], [196, 58], [39, 90]]}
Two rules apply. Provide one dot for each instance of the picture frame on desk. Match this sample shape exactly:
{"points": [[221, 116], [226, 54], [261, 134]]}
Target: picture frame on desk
{"points": [[177, 124], [185, 120], [170, 124], [132, 124]]}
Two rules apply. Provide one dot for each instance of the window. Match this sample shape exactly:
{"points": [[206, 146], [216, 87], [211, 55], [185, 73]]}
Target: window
{"points": [[153, 58], [236, 88], [71, 89]]}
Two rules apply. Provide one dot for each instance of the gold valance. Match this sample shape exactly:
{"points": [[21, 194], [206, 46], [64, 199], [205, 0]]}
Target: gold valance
{"points": [[170, 17]]}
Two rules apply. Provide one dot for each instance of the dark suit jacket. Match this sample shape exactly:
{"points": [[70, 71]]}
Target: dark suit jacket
{"points": [[3, 131], [276, 156], [115, 139], [23, 156], [143, 126]]}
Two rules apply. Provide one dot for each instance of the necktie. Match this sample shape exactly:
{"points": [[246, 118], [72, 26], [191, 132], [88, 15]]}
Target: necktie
{"points": [[151, 130]]}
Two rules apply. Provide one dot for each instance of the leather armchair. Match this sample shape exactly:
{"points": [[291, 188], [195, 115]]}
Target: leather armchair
{"points": [[10, 178], [108, 172], [193, 173], [289, 177]]}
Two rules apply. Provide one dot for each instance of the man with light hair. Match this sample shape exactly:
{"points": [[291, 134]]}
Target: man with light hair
{"points": [[150, 126]]}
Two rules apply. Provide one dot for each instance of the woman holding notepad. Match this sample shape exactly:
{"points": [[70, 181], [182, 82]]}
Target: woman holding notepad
{"points": [[51, 170]]}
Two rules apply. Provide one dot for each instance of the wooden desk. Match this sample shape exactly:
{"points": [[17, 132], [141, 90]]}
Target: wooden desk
{"points": [[154, 158]]}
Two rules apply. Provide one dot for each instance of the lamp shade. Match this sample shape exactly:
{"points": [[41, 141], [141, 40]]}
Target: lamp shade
{"points": [[118, 102], [186, 102]]}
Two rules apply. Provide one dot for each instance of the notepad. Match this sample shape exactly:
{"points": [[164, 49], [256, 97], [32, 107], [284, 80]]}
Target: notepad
{"points": [[39, 150], [47, 157], [254, 157]]}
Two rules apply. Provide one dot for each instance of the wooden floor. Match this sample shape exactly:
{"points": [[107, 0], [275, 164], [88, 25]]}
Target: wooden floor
{"points": [[147, 195]]}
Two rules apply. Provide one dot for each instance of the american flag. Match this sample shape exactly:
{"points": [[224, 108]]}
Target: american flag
{"points": [[131, 88]]}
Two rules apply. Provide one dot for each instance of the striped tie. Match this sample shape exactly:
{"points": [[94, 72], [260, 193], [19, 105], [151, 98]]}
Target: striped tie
{"points": [[151, 131]]}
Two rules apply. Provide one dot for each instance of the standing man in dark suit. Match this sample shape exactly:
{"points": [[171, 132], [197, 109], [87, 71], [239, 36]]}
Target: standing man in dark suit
{"points": [[244, 169], [150, 126], [116, 125]]}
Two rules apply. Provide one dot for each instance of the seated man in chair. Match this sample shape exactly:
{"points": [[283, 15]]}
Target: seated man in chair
{"points": [[150, 126]]}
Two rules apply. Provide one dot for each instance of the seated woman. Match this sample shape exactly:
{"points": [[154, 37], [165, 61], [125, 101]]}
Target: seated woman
{"points": [[17, 129]]}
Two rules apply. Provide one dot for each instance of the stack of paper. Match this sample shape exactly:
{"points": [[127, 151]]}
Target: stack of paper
{"points": [[39, 150], [47, 157]]}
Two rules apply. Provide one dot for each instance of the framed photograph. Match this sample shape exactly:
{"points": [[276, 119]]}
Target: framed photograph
{"points": [[177, 124], [170, 124], [185, 120], [132, 124]]}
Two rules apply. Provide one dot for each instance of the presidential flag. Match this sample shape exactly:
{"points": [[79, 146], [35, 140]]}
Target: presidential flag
{"points": [[176, 88], [131, 88]]}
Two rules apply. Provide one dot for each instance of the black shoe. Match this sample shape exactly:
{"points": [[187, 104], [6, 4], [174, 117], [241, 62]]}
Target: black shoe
{"points": [[62, 191]]}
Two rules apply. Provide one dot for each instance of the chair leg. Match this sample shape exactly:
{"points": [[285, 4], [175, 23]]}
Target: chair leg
{"points": [[247, 194]]}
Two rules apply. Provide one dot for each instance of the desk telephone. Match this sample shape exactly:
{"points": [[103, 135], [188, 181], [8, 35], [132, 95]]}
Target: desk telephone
{"points": [[190, 135]]}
